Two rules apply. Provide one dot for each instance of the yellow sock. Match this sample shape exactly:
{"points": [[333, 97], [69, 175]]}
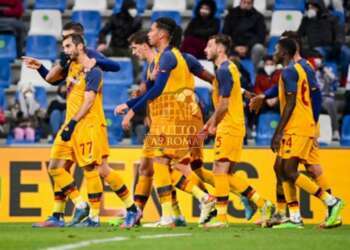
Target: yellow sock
{"points": [[60, 200], [116, 183], [322, 182], [257, 199], [163, 183], [206, 175], [305, 183], [175, 204], [167, 209], [65, 181], [281, 203], [194, 178], [290, 192], [237, 183], [143, 190], [95, 190], [222, 193]]}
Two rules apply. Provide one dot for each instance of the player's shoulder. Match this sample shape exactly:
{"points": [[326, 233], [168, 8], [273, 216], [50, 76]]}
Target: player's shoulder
{"points": [[224, 68], [95, 72]]}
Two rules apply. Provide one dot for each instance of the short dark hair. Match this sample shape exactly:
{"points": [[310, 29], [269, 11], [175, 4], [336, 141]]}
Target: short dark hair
{"points": [[77, 27], [224, 40], [139, 37], [289, 45], [167, 24], [293, 35], [76, 39]]}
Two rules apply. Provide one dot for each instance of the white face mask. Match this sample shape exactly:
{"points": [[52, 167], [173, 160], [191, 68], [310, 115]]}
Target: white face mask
{"points": [[132, 12], [311, 13], [269, 69]]}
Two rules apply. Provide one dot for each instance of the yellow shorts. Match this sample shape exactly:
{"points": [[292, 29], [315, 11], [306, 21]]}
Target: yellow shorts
{"points": [[296, 146], [314, 156], [84, 148], [147, 151], [228, 147]]}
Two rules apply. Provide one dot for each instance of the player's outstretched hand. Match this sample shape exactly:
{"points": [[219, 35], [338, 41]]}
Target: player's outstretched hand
{"points": [[67, 132], [276, 142], [256, 103], [121, 109], [31, 62], [127, 119]]}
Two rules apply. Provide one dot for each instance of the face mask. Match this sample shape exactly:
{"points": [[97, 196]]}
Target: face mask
{"points": [[204, 12], [132, 12], [269, 69], [318, 62], [311, 13]]}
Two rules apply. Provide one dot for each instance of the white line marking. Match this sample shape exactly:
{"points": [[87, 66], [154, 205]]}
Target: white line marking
{"points": [[101, 241]]}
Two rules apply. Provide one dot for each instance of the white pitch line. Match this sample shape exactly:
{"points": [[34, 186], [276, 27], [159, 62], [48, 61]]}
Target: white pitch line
{"points": [[101, 241]]}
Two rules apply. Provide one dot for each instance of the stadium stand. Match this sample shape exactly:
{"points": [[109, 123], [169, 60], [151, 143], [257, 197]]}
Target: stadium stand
{"points": [[114, 94], [175, 15], [285, 20], [289, 5], [46, 22], [345, 132], [267, 123], [5, 74], [2, 99], [51, 4], [325, 130], [100, 5], [29, 76], [124, 76], [42, 47], [115, 131], [8, 47], [90, 19], [141, 6], [161, 5]]}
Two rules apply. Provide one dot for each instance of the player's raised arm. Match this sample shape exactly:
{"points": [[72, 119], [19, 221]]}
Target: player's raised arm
{"points": [[103, 62]]}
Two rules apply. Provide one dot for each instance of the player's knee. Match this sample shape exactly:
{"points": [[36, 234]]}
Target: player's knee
{"points": [[314, 170], [146, 167]]}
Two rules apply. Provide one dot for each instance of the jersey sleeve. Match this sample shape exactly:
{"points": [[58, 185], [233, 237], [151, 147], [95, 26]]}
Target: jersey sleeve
{"points": [[193, 64], [167, 61], [225, 81], [93, 80], [290, 79]]}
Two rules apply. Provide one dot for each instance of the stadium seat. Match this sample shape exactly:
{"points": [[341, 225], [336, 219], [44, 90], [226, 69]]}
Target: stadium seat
{"points": [[345, 131], [141, 6], [249, 66], [91, 40], [41, 47], [325, 130], [115, 131], [113, 95], [204, 98], [333, 66], [8, 47], [290, 5], [51, 4], [208, 65], [2, 99], [33, 77], [267, 123], [175, 15], [259, 5], [46, 22], [40, 96], [340, 15], [271, 44], [90, 19], [178, 5], [122, 77], [100, 5], [5, 73], [285, 20]]}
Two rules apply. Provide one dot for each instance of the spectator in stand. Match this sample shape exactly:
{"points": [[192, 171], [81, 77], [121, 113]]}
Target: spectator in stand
{"points": [[11, 12], [56, 111], [347, 95], [266, 77], [322, 32], [120, 25], [246, 27], [203, 25], [328, 83]]}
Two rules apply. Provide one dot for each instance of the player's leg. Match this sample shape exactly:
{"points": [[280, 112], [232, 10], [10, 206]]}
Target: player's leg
{"points": [[179, 218], [117, 184], [65, 182], [60, 200], [144, 182]]}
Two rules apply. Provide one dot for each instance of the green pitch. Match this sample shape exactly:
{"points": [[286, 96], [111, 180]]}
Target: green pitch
{"points": [[22, 236]]}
